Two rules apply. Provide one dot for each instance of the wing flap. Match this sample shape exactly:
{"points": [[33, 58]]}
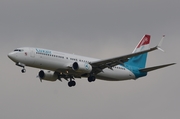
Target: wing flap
{"points": [[155, 67]]}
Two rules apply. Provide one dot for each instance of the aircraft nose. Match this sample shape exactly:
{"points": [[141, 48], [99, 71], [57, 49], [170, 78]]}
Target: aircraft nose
{"points": [[12, 56]]}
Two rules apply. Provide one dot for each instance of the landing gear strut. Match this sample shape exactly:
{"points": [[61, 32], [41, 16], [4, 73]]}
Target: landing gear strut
{"points": [[68, 78]]}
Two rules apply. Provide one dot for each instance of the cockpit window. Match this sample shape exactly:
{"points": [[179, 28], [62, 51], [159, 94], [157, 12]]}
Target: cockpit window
{"points": [[19, 50]]}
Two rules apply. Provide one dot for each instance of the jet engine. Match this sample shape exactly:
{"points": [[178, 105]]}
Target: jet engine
{"points": [[82, 67], [48, 75]]}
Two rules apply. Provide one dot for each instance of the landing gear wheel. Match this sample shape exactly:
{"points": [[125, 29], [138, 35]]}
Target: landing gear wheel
{"points": [[23, 70], [74, 83], [71, 83], [91, 78]]}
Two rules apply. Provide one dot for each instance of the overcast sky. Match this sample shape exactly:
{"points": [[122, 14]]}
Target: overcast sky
{"points": [[94, 28]]}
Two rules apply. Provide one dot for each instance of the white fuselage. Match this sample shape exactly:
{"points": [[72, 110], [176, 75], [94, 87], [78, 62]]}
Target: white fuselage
{"points": [[62, 63]]}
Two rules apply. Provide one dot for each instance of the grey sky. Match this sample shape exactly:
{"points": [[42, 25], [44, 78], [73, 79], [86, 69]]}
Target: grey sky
{"points": [[95, 28]]}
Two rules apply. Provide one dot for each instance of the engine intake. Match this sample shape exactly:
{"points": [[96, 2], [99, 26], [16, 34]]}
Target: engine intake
{"points": [[48, 75], [82, 67]]}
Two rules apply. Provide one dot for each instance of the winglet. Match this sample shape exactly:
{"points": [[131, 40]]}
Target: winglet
{"points": [[160, 44]]}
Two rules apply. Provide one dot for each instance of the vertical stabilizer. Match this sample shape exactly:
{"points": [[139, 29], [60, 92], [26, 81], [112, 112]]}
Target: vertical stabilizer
{"points": [[140, 60], [143, 44]]}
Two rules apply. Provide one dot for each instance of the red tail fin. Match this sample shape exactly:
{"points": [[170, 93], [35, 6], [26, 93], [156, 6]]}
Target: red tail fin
{"points": [[145, 41]]}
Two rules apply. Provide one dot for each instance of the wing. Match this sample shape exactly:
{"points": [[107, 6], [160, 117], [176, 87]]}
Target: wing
{"points": [[98, 66]]}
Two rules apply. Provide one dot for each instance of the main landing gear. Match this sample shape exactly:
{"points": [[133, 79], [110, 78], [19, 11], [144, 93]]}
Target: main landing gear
{"points": [[69, 78], [71, 83], [91, 78]]}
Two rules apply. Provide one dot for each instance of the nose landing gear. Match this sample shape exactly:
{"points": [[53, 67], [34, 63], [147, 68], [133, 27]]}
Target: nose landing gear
{"points": [[21, 65], [23, 70]]}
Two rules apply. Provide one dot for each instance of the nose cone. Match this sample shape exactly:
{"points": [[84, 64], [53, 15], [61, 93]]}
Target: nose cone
{"points": [[12, 56]]}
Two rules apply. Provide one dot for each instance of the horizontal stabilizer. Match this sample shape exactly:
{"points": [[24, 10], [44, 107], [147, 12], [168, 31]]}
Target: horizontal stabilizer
{"points": [[155, 67]]}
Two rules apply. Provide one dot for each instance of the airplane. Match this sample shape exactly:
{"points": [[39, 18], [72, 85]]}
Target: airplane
{"points": [[56, 65]]}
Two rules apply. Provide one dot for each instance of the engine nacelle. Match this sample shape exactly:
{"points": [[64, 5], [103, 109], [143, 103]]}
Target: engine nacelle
{"points": [[48, 75], [82, 67]]}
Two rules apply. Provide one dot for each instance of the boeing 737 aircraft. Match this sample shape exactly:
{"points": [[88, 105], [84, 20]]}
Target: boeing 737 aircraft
{"points": [[59, 65]]}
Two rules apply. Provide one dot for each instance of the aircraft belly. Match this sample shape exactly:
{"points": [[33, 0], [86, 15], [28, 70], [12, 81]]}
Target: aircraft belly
{"points": [[115, 75]]}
